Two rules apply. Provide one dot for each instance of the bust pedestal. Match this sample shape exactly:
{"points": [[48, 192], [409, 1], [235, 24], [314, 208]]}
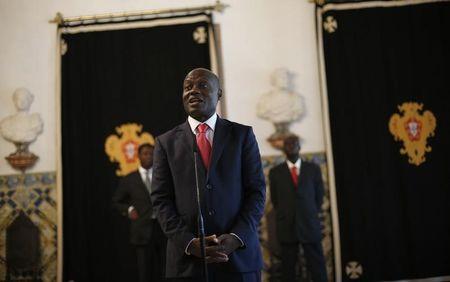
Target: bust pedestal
{"points": [[22, 159]]}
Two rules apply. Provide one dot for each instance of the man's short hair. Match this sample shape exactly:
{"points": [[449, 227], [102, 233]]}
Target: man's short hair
{"points": [[292, 136], [143, 145]]}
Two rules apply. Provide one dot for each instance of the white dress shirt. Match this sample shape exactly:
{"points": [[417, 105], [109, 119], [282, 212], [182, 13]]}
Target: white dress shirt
{"points": [[297, 165], [211, 122], [143, 172]]}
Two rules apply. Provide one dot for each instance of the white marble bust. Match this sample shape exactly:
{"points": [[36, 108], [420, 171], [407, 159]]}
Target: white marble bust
{"points": [[21, 127], [281, 104]]}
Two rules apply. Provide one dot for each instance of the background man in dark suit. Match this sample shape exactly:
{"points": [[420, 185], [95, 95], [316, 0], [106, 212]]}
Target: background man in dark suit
{"points": [[132, 199], [231, 183], [296, 191]]}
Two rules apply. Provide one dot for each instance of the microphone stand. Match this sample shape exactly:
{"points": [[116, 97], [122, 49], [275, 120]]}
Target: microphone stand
{"points": [[200, 224]]}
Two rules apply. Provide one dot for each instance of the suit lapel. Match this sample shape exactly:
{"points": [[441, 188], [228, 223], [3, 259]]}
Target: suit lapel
{"points": [[303, 172], [185, 133], [187, 137], [221, 136], [287, 175], [139, 183]]}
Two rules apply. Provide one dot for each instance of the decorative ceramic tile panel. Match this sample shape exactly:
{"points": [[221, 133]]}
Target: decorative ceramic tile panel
{"points": [[35, 195]]}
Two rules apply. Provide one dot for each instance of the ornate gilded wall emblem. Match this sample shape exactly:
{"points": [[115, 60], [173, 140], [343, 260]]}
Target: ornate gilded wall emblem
{"points": [[123, 148], [413, 128]]}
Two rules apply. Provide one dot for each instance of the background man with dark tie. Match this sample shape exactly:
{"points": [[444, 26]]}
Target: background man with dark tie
{"points": [[296, 191], [132, 199], [232, 189]]}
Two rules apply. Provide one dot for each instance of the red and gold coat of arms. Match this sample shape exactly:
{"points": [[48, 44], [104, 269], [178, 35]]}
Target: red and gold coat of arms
{"points": [[124, 149], [413, 128]]}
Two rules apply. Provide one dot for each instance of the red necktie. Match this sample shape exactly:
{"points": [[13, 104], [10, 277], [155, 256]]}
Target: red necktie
{"points": [[203, 144], [294, 176]]}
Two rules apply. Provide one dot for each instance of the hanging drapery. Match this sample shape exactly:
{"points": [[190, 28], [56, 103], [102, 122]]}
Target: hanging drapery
{"points": [[121, 85], [386, 110]]}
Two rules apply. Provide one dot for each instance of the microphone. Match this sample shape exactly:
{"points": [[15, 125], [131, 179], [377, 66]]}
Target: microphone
{"points": [[200, 223]]}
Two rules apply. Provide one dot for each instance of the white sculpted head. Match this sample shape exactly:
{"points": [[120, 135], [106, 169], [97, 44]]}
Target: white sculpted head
{"points": [[22, 99], [21, 127], [281, 79], [281, 104]]}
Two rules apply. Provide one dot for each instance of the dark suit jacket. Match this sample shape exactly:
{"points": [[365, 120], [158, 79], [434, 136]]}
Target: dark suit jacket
{"points": [[232, 195], [297, 210], [132, 192]]}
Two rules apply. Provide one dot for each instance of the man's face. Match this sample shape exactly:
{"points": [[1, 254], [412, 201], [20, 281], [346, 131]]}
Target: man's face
{"points": [[201, 92], [146, 157], [291, 147]]}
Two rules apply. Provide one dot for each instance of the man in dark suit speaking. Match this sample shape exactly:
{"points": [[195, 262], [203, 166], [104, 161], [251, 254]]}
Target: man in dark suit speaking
{"points": [[296, 191], [232, 189], [132, 199]]}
